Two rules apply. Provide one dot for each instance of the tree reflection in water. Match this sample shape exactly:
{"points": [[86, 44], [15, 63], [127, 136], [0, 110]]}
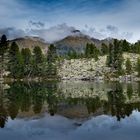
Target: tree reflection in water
{"points": [[3, 112], [22, 97]]}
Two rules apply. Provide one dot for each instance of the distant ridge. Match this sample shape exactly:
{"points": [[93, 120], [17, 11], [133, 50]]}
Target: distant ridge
{"points": [[76, 41], [31, 42]]}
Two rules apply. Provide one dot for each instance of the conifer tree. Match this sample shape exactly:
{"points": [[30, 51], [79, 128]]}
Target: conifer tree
{"points": [[91, 51], [38, 61], [15, 64], [72, 54], [27, 59], [115, 58], [128, 66], [125, 46], [110, 56], [87, 50], [104, 49], [138, 67], [3, 50], [51, 62], [136, 47]]}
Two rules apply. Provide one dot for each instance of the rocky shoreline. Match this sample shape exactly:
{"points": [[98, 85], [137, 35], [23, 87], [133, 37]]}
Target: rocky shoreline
{"points": [[126, 78]]}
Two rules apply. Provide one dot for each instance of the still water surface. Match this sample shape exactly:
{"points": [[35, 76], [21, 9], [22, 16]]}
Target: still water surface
{"points": [[70, 111]]}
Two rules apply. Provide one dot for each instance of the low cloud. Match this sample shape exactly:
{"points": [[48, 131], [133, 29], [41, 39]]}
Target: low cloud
{"points": [[50, 35], [61, 31], [111, 28], [108, 31], [54, 33], [37, 24], [12, 32]]}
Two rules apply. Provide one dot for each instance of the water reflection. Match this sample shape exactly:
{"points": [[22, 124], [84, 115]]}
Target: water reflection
{"points": [[72, 100]]}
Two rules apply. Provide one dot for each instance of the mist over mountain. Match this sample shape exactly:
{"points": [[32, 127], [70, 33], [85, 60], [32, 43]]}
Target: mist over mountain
{"points": [[75, 41], [58, 32]]}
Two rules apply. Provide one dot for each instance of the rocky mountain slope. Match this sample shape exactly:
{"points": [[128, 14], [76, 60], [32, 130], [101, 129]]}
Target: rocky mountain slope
{"points": [[89, 69], [78, 43]]}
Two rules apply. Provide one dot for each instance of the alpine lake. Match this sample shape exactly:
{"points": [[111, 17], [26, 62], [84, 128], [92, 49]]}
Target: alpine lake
{"points": [[70, 110]]}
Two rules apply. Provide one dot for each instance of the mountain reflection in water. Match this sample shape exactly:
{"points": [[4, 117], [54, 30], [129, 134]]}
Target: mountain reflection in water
{"points": [[78, 107]]}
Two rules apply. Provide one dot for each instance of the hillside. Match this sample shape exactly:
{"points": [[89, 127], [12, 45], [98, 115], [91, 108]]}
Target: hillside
{"points": [[31, 42], [89, 69], [78, 43]]}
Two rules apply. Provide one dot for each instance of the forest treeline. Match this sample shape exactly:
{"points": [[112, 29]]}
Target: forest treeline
{"points": [[24, 63]]}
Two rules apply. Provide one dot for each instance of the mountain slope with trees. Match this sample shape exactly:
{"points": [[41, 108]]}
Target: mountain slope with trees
{"points": [[44, 62]]}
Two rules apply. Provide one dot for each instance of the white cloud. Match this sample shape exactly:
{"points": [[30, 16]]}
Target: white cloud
{"points": [[125, 17], [36, 24], [108, 31], [61, 31], [12, 32], [53, 33]]}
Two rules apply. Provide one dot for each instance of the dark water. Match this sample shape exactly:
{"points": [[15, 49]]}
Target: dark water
{"points": [[70, 111]]}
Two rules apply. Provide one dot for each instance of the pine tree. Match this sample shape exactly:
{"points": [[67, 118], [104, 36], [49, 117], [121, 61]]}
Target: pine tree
{"points": [[94, 52], [128, 66], [125, 46], [129, 90], [115, 58], [72, 54], [91, 51], [38, 61], [15, 64], [110, 56], [87, 51], [104, 49], [3, 45], [27, 59], [138, 67], [51, 62], [26, 53], [136, 47], [3, 49]]}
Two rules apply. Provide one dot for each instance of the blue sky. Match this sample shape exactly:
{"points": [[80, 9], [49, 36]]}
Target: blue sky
{"points": [[97, 18]]}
